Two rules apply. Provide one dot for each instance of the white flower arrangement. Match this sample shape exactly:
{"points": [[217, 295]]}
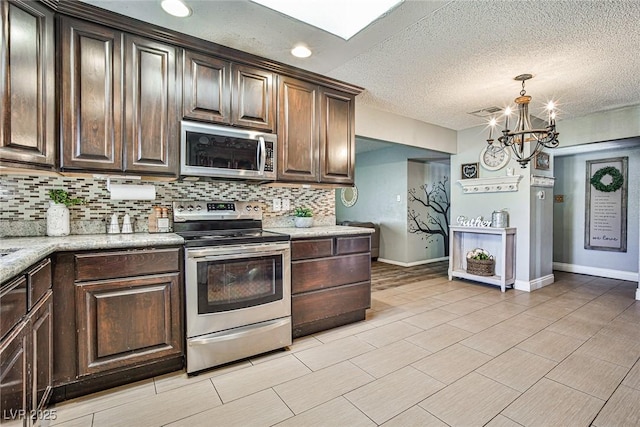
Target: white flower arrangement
{"points": [[479, 254]]}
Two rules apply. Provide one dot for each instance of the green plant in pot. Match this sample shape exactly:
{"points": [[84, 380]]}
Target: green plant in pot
{"points": [[303, 217], [58, 218]]}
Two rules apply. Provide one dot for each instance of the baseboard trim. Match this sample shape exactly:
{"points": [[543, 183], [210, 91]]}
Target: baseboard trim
{"points": [[595, 271], [532, 285], [414, 263]]}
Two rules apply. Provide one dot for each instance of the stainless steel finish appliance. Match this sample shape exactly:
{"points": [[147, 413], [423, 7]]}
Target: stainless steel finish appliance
{"points": [[237, 282], [227, 152]]}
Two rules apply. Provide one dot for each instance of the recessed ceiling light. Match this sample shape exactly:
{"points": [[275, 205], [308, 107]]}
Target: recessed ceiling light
{"points": [[176, 8], [341, 18], [301, 51]]}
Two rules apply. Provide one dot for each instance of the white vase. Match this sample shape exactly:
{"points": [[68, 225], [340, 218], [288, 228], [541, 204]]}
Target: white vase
{"points": [[58, 223], [303, 221]]}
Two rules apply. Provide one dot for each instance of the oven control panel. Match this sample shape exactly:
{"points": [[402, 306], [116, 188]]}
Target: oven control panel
{"points": [[194, 210]]}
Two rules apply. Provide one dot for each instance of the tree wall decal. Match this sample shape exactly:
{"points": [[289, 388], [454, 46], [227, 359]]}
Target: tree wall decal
{"points": [[436, 223]]}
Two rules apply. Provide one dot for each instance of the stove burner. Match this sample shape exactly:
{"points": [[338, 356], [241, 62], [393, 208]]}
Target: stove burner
{"points": [[215, 223]]}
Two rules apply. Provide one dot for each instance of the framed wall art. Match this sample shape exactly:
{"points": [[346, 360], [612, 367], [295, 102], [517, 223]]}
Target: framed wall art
{"points": [[541, 161], [606, 205], [469, 170]]}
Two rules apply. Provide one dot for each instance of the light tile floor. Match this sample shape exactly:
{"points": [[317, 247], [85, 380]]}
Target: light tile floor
{"points": [[432, 353]]}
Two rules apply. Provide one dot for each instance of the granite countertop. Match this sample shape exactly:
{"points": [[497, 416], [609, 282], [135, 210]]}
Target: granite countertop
{"points": [[325, 230], [25, 251]]}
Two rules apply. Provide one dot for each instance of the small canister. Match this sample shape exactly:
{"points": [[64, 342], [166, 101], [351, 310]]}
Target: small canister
{"points": [[500, 219]]}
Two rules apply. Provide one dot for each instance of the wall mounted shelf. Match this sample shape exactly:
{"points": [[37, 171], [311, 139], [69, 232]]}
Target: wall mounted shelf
{"points": [[542, 181], [494, 184]]}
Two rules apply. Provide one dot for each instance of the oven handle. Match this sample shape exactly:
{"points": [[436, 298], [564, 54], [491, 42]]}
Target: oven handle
{"points": [[241, 332], [261, 155], [237, 251]]}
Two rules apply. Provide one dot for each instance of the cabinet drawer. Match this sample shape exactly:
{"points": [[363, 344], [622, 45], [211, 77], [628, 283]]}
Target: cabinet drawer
{"points": [[325, 303], [110, 265], [39, 281], [353, 245], [329, 272], [13, 304], [316, 248]]}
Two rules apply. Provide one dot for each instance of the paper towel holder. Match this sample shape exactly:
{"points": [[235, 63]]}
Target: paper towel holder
{"points": [[110, 177], [141, 192]]}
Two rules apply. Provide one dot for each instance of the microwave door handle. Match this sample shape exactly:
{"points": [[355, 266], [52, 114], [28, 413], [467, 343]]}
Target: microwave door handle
{"points": [[262, 155]]}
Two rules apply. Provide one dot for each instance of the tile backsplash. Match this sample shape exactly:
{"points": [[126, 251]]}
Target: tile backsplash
{"points": [[24, 200]]}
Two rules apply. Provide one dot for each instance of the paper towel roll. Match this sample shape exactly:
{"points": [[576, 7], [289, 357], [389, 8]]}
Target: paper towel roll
{"points": [[132, 192]]}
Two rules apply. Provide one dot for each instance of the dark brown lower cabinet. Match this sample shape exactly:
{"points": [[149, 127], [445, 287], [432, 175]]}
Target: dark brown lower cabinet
{"points": [[119, 316], [330, 282], [26, 353], [122, 322], [14, 375]]}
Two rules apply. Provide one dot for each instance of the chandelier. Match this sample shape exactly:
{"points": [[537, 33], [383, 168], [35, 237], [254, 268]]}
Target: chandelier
{"points": [[523, 131]]}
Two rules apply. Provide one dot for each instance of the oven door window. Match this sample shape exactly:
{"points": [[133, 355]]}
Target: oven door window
{"points": [[225, 285], [223, 152]]}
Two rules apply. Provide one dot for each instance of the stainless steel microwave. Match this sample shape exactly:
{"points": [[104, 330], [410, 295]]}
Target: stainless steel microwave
{"points": [[227, 152]]}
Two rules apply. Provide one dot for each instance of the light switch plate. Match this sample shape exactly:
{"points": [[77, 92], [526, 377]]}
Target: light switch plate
{"points": [[286, 204], [277, 205]]}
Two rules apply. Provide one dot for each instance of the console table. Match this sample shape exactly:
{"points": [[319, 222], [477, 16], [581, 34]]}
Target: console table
{"points": [[500, 242]]}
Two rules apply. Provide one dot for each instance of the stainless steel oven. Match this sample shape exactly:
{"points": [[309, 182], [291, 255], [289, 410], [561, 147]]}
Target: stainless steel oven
{"points": [[227, 152], [237, 283]]}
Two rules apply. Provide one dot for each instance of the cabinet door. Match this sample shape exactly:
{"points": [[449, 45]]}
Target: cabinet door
{"points": [[14, 376], [151, 114], [42, 352], [298, 130], [207, 88], [122, 322], [254, 101], [27, 87], [91, 96], [337, 138]]}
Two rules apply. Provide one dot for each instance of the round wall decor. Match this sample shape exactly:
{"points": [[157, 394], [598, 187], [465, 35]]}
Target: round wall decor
{"points": [[349, 196]]}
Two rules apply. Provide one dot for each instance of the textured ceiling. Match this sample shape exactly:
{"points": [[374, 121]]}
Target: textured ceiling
{"points": [[436, 61]]}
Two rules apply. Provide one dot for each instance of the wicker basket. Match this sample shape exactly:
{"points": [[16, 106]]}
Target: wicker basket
{"points": [[481, 267]]}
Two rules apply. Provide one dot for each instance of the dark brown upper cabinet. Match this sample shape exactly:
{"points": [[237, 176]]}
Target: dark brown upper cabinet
{"points": [[119, 109], [151, 112], [337, 137], [316, 133], [298, 130], [92, 110], [27, 88], [253, 101], [207, 85], [220, 91]]}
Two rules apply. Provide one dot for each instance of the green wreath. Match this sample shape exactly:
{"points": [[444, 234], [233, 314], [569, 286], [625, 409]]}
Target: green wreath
{"points": [[614, 173]]}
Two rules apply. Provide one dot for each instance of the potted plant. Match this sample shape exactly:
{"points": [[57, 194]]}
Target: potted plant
{"points": [[303, 217], [58, 219]]}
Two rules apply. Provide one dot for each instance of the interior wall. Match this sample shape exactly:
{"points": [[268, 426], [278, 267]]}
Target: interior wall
{"points": [[421, 247], [569, 216], [385, 126], [598, 127], [517, 203], [381, 178]]}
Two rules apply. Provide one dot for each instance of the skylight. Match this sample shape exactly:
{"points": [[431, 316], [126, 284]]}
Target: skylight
{"points": [[344, 18]]}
